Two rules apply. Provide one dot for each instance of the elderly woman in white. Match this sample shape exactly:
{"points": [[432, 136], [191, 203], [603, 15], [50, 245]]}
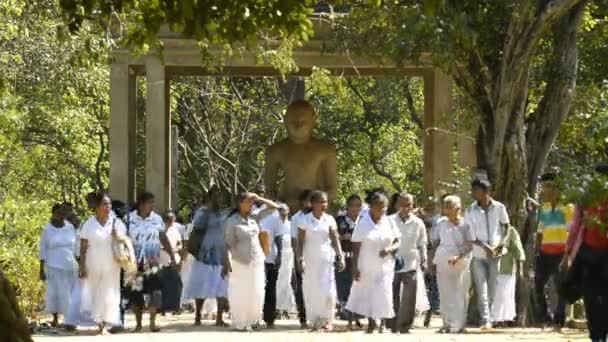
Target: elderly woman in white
{"points": [[58, 263], [452, 257], [374, 240], [98, 268], [318, 249]]}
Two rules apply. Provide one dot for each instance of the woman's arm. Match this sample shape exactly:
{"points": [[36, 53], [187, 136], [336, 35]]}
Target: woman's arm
{"points": [[355, 266], [300, 251], [84, 246], [164, 241], [334, 236]]}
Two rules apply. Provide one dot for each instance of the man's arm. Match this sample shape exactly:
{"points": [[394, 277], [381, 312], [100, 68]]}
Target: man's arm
{"points": [[422, 246]]}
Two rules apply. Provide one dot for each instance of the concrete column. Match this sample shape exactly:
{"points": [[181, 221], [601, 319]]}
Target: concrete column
{"points": [[438, 144], [294, 88], [174, 166], [123, 131], [158, 133]]}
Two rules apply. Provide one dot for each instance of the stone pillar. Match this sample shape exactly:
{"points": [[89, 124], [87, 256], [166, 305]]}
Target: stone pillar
{"points": [[158, 133], [293, 89], [174, 166], [437, 166], [123, 132]]}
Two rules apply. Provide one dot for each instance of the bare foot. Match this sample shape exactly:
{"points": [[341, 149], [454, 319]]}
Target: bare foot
{"points": [[137, 329], [154, 328]]}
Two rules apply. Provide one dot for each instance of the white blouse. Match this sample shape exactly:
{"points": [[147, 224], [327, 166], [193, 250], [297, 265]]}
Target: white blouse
{"points": [[58, 246]]}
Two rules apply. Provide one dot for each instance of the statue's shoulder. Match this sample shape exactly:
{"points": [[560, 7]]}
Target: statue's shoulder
{"points": [[324, 146], [278, 148]]}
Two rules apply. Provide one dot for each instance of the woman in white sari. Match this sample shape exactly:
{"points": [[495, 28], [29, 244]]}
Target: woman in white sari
{"points": [[319, 248], [375, 239], [99, 270], [451, 237]]}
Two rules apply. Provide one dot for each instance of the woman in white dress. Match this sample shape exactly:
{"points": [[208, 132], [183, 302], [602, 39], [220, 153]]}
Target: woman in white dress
{"points": [[319, 248], [375, 240], [452, 258], [285, 298], [98, 268], [244, 261], [58, 263], [206, 281]]}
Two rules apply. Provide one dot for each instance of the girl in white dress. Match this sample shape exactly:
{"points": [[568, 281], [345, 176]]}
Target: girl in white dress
{"points": [[375, 239], [285, 299], [452, 257], [58, 262], [319, 248], [98, 268], [244, 261]]}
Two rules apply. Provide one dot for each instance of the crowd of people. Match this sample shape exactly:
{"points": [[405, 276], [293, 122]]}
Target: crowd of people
{"points": [[381, 260]]}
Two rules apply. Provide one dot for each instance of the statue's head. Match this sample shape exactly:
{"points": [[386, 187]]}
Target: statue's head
{"points": [[300, 120]]}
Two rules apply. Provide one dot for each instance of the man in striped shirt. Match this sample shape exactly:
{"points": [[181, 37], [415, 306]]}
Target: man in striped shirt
{"points": [[554, 219]]}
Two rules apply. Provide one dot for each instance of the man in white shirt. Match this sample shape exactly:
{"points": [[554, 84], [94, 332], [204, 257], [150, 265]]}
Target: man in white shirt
{"points": [[272, 229], [296, 220], [411, 254], [487, 219]]}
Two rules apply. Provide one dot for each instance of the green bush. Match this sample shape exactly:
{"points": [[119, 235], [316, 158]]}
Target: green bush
{"points": [[21, 223]]}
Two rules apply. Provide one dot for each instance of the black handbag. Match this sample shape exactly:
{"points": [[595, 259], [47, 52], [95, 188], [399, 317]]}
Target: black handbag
{"points": [[196, 237], [571, 289], [171, 288]]}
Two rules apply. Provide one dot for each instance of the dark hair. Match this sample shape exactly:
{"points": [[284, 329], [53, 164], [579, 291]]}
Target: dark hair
{"points": [[391, 206], [99, 197], [304, 195], [56, 207], [368, 193], [351, 198], [143, 198], [119, 208], [239, 198], [317, 196], [377, 197], [548, 176], [482, 184]]}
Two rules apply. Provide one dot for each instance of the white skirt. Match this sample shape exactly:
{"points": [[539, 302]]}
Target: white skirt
{"points": [[205, 281], [422, 301], [59, 290], [185, 272], [75, 316], [246, 292], [285, 298], [503, 307], [372, 295], [101, 295], [319, 289]]}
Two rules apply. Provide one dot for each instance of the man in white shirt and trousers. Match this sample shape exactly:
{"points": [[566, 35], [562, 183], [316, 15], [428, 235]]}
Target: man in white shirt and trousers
{"points": [[412, 253], [487, 220], [272, 228]]}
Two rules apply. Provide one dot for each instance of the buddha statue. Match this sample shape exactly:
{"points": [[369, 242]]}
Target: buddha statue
{"points": [[303, 161]]}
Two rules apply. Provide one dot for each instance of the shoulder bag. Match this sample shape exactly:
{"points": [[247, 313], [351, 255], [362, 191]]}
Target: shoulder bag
{"points": [[197, 235]]}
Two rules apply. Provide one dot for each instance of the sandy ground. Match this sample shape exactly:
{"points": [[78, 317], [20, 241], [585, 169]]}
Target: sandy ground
{"points": [[180, 329]]}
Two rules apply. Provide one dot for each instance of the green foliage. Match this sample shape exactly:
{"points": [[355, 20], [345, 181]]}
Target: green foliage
{"points": [[21, 224], [213, 23]]}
